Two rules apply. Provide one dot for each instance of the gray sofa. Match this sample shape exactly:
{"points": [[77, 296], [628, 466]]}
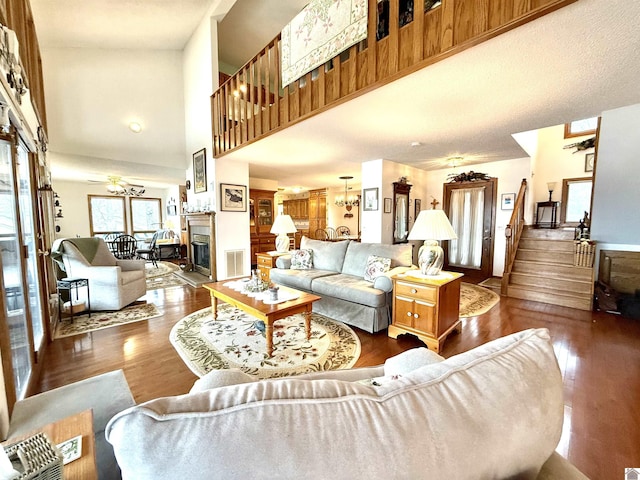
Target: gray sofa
{"points": [[337, 277], [494, 412]]}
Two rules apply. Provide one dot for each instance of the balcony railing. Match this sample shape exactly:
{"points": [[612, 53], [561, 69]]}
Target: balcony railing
{"points": [[251, 104]]}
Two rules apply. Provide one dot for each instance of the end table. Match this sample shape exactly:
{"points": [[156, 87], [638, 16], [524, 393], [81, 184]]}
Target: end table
{"points": [[69, 285]]}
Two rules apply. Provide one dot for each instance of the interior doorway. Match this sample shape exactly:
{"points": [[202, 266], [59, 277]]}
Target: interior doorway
{"points": [[471, 209]]}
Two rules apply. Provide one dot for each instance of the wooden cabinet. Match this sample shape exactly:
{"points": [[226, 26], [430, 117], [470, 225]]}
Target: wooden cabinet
{"points": [[317, 210], [265, 262], [298, 209], [427, 308], [261, 216]]}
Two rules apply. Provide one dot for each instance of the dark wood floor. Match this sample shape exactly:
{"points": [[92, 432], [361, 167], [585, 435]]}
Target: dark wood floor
{"points": [[599, 355]]}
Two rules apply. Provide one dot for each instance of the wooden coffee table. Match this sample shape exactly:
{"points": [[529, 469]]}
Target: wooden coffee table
{"points": [[263, 311]]}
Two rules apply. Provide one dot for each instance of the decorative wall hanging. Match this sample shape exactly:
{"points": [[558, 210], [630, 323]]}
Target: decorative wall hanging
{"points": [[320, 32], [200, 171], [584, 145], [468, 177], [370, 198], [233, 198]]}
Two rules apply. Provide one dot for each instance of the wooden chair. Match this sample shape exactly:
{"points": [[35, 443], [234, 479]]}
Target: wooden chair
{"points": [[150, 254], [343, 231], [125, 247], [331, 234], [321, 234]]}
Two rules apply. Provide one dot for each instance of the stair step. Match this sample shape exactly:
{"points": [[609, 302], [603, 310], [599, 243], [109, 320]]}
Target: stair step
{"points": [[543, 295], [558, 284], [547, 244], [550, 233], [545, 256], [553, 270]]}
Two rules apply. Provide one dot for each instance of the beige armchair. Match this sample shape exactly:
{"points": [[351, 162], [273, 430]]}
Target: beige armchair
{"points": [[113, 283]]}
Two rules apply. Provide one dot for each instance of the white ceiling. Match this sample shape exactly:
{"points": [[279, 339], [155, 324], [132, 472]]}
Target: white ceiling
{"points": [[571, 64]]}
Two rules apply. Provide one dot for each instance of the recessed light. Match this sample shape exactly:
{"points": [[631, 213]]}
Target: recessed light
{"points": [[135, 127], [415, 144]]}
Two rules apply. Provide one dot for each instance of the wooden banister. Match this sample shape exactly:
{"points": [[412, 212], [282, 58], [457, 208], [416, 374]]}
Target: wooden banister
{"points": [[513, 232], [251, 104]]}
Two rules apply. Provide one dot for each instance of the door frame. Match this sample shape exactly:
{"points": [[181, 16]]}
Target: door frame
{"points": [[486, 270]]}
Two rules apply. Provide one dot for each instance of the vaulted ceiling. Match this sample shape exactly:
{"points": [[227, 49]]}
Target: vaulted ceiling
{"points": [[571, 64]]}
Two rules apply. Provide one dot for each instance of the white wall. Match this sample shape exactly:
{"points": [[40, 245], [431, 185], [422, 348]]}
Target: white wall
{"points": [[371, 223], [75, 205], [615, 221]]}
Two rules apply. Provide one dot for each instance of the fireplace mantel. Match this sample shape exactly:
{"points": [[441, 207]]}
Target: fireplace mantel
{"points": [[200, 220]]}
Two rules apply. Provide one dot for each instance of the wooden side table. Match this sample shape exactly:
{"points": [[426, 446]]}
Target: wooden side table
{"points": [[79, 424], [426, 307], [70, 285], [267, 261]]}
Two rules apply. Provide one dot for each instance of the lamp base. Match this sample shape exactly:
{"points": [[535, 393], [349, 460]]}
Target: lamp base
{"points": [[430, 258], [282, 243]]}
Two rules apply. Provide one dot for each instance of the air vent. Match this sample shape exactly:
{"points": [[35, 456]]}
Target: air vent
{"points": [[235, 263]]}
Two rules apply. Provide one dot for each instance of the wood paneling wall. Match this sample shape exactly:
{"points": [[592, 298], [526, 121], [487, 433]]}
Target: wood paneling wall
{"points": [[251, 104]]}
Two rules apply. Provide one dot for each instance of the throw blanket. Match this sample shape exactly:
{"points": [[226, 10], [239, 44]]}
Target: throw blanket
{"points": [[88, 247]]}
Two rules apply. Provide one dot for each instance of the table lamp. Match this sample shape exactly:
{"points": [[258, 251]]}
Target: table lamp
{"points": [[282, 226], [431, 226]]}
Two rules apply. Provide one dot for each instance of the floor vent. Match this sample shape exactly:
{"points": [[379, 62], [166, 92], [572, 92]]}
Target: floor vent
{"points": [[235, 263]]}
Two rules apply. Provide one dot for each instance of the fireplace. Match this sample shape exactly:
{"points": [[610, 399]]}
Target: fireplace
{"points": [[200, 249]]}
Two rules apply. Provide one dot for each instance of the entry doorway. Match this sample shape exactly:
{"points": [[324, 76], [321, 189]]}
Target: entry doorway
{"points": [[471, 208]]}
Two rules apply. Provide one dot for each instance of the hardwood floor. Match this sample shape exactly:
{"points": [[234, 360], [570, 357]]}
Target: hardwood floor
{"points": [[598, 353]]}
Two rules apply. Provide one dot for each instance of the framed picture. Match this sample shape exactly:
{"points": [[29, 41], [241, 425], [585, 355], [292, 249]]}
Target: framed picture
{"points": [[233, 198], [588, 162], [387, 205], [200, 171], [418, 207], [508, 200], [370, 196], [172, 210]]}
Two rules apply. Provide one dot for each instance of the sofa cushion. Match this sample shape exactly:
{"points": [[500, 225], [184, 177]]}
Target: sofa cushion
{"points": [[351, 288], [300, 279], [357, 254], [302, 259], [326, 255], [131, 276], [375, 267], [493, 412]]}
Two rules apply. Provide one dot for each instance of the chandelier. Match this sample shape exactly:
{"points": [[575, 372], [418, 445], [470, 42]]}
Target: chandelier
{"points": [[346, 201], [118, 187]]}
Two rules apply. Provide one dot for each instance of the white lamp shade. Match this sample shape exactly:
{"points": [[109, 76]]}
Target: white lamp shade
{"points": [[432, 225], [283, 224]]}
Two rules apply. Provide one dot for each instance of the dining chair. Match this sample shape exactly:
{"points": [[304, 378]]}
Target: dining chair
{"points": [[321, 234], [125, 247], [150, 254], [331, 234], [343, 231]]}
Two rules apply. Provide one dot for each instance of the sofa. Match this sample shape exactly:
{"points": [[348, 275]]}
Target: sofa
{"points": [[337, 274], [494, 412], [113, 283]]}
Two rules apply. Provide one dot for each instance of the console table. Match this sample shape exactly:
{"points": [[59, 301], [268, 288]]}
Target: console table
{"points": [[540, 213]]}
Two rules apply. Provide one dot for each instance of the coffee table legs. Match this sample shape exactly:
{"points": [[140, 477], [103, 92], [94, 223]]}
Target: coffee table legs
{"points": [[307, 322], [268, 332], [214, 306]]}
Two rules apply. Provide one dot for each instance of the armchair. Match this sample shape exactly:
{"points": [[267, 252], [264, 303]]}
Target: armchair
{"points": [[114, 283]]}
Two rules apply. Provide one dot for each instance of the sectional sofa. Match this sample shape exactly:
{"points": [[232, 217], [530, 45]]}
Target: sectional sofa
{"points": [[337, 274]]}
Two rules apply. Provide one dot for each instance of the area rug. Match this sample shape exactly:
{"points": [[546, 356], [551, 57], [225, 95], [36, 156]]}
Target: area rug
{"points": [[236, 340], [162, 276], [475, 300], [100, 320]]}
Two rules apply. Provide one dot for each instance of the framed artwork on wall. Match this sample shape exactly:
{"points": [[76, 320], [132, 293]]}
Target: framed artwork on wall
{"points": [[200, 171], [508, 200], [233, 198], [588, 162], [418, 208], [387, 205], [370, 197]]}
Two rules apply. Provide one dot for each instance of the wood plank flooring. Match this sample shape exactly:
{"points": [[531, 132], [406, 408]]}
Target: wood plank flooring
{"points": [[598, 353]]}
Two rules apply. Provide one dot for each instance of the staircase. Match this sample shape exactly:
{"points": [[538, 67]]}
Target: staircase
{"points": [[543, 270]]}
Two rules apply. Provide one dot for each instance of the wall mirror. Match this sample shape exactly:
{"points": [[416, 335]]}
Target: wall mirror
{"points": [[400, 211]]}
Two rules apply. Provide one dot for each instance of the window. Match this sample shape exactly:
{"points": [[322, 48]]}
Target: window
{"points": [[107, 215], [576, 200], [145, 217], [579, 128]]}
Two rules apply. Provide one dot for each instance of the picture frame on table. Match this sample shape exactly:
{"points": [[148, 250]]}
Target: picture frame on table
{"points": [[507, 201], [370, 199], [200, 171], [588, 162], [387, 205], [233, 198]]}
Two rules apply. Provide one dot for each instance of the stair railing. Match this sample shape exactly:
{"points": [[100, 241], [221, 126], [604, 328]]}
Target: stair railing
{"points": [[513, 232]]}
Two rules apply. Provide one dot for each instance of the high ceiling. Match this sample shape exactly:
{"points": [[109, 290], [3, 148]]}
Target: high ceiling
{"points": [[571, 64]]}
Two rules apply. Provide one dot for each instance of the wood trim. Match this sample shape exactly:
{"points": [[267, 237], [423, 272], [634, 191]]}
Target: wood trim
{"points": [[565, 198]]}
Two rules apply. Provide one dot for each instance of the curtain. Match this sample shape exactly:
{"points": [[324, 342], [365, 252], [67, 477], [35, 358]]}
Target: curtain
{"points": [[466, 215]]}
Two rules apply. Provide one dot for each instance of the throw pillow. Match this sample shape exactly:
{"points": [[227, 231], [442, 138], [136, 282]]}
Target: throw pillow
{"points": [[376, 266], [302, 259]]}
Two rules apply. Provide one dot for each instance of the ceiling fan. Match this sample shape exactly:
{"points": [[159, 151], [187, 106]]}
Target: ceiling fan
{"points": [[118, 186]]}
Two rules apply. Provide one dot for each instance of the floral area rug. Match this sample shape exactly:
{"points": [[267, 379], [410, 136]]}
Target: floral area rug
{"points": [[475, 300], [237, 340], [68, 327], [162, 276]]}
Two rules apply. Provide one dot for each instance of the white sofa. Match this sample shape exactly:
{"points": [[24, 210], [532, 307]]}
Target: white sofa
{"points": [[494, 412], [113, 283], [337, 277]]}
